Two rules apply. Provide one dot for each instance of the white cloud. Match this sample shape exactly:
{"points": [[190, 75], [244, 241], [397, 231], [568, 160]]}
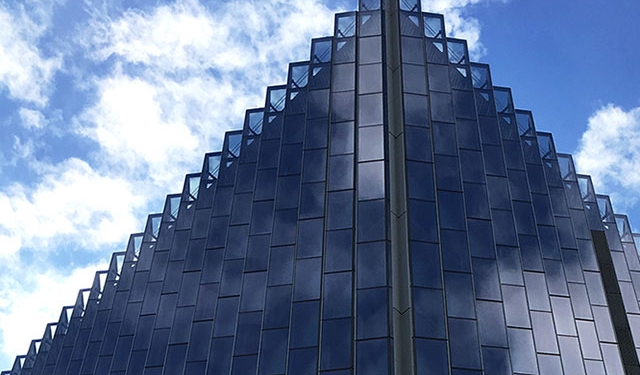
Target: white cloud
{"points": [[24, 72], [30, 300], [609, 151], [71, 200], [32, 119]]}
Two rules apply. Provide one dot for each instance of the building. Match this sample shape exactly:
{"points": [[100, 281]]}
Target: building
{"points": [[388, 211]]}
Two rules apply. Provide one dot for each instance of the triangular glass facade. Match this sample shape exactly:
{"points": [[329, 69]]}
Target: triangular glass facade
{"points": [[388, 211]]}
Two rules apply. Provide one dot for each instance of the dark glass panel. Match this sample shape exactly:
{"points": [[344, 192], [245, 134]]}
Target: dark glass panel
{"points": [[472, 168], [304, 324], [371, 221], [310, 238], [432, 357], [481, 238], [312, 200], [412, 50], [414, 79], [544, 333], [425, 265], [428, 313], [447, 173], [476, 202], [342, 106], [459, 295], [496, 361], [485, 276], [369, 78], [257, 253], [307, 279], [341, 172], [523, 357], [464, 106], [248, 334], [338, 250], [493, 331], [548, 242], [281, 266], [422, 221], [444, 139], [318, 102], [463, 343], [226, 315], [315, 165], [344, 77], [451, 208], [371, 180], [231, 277], [253, 289], [515, 306], [416, 110], [372, 310], [278, 303], [372, 265], [441, 107], [417, 143], [509, 265], [340, 210], [372, 357], [237, 237], [284, 229], [288, 191], [370, 109], [273, 351], [336, 344], [303, 361], [337, 295], [420, 180], [342, 138], [370, 50], [439, 78], [265, 184], [316, 133], [371, 143]]}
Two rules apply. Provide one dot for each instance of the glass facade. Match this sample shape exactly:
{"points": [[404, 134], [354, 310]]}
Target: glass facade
{"points": [[388, 211]]}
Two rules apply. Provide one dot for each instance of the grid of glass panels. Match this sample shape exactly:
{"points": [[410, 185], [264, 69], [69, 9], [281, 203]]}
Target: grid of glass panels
{"points": [[276, 258]]}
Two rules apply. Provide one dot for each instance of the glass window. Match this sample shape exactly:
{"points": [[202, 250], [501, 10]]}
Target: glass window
{"points": [[451, 208], [425, 265], [412, 50], [265, 185], [565, 232], [336, 344], [262, 217], [315, 165], [284, 229], [312, 200], [463, 338], [318, 102], [248, 334], [498, 192], [207, 301], [572, 267], [175, 358], [288, 191], [580, 301], [231, 277], [464, 105], [344, 50], [342, 139], [199, 342], [612, 360], [485, 277], [509, 265], [455, 252], [372, 357], [372, 310], [371, 180], [504, 231], [252, 296], [257, 253], [481, 238], [344, 77], [439, 78], [518, 185], [341, 172], [441, 107], [280, 266], [550, 364], [342, 106], [338, 250], [476, 203], [543, 332], [370, 109], [432, 357], [515, 306], [244, 365], [269, 153], [340, 210], [273, 351], [417, 143], [422, 221], [371, 143], [571, 357], [416, 110], [523, 356], [537, 293], [307, 283], [493, 331], [212, 270], [337, 295], [310, 238], [588, 340], [420, 180], [278, 303], [472, 168], [237, 237], [303, 361], [525, 221], [316, 133], [459, 295], [563, 316], [226, 315], [428, 313], [372, 265], [493, 160], [414, 79], [447, 173], [195, 254], [548, 242], [370, 50], [595, 288], [370, 78], [188, 289], [489, 131], [371, 221], [496, 361], [444, 137], [304, 324]]}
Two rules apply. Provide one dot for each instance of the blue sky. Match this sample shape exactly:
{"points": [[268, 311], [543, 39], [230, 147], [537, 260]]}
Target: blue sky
{"points": [[105, 105]]}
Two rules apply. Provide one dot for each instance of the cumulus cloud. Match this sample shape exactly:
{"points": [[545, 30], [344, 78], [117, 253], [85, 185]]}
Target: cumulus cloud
{"points": [[609, 151], [32, 119], [70, 200], [24, 71], [27, 298]]}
